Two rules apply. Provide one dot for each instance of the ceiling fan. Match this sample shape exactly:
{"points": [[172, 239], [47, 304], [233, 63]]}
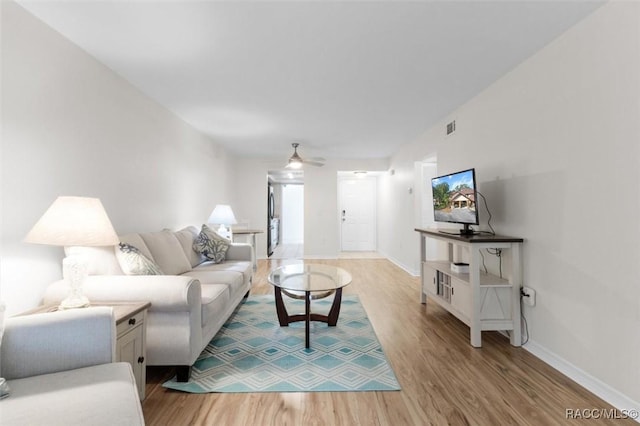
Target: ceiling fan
{"points": [[296, 162]]}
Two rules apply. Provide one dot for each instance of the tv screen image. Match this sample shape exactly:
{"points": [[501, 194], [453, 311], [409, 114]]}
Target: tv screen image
{"points": [[454, 198]]}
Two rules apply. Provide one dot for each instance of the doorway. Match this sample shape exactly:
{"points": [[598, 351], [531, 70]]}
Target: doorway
{"points": [[286, 222], [357, 206]]}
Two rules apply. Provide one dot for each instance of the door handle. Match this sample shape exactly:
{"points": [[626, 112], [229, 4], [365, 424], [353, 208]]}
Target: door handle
{"points": [[343, 215]]}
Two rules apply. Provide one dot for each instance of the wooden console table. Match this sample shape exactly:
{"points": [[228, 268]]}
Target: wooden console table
{"points": [[252, 233], [480, 300]]}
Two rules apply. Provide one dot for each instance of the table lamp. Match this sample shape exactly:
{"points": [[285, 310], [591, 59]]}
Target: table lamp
{"points": [[74, 222], [223, 215]]}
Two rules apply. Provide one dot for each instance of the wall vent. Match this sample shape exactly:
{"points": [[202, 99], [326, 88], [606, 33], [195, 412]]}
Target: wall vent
{"points": [[451, 127]]}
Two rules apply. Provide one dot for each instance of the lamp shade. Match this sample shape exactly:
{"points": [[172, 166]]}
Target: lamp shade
{"points": [[222, 215], [74, 221]]}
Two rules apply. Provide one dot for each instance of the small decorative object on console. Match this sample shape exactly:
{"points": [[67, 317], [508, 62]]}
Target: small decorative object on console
{"points": [[460, 267]]}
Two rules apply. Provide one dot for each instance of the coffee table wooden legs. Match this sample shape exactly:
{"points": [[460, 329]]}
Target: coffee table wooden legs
{"points": [[285, 319], [332, 319], [307, 317], [283, 316]]}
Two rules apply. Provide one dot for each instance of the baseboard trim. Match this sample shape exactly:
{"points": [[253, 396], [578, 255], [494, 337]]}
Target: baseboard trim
{"points": [[584, 379], [401, 265], [320, 257]]}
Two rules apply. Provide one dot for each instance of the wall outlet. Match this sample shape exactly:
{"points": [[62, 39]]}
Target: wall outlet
{"points": [[528, 296]]}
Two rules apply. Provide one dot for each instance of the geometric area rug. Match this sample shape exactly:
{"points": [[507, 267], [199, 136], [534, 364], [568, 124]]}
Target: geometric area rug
{"points": [[252, 353]]}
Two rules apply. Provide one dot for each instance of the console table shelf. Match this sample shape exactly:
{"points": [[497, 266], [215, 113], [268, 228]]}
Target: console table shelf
{"points": [[486, 280], [482, 301]]}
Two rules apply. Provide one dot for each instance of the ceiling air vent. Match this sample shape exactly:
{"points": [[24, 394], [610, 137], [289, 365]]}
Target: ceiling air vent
{"points": [[451, 127]]}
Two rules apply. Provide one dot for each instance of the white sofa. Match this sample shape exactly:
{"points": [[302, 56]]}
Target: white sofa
{"points": [[60, 370], [188, 305]]}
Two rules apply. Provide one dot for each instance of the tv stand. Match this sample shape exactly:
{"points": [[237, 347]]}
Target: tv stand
{"points": [[464, 231], [482, 301]]}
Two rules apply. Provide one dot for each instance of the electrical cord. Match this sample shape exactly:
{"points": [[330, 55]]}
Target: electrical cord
{"points": [[484, 265], [486, 206], [497, 253], [526, 326]]}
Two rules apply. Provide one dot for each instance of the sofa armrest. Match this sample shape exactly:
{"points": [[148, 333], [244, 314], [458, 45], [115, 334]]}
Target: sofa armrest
{"points": [[239, 251], [57, 341], [167, 293]]}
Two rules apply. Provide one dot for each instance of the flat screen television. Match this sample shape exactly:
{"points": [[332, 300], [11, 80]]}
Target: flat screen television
{"points": [[454, 199]]}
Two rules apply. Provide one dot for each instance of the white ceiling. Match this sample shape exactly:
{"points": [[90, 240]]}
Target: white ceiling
{"points": [[347, 79]]}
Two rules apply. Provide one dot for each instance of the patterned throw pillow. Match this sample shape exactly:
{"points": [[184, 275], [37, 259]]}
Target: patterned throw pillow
{"points": [[133, 262], [211, 245]]}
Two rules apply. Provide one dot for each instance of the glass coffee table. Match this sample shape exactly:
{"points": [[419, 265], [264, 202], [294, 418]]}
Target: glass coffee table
{"points": [[308, 281]]}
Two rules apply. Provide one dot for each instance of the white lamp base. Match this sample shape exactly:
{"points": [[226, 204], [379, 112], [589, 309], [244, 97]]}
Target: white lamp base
{"points": [[225, 231], [74, 301], [74, 271]]}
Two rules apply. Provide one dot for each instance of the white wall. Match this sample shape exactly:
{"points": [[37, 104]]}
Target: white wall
{"points": [[321, 233], [398, 196], [555, 144], [70, 126], [292, 223], [250, 187]]}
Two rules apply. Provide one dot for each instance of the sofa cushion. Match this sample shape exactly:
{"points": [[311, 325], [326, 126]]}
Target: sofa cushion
{"points": [[136, 241], [244, 267], [186, 237], [105, 394], [215, 299], [167, 252], [213, 246], [233, 280], [133, 262]]}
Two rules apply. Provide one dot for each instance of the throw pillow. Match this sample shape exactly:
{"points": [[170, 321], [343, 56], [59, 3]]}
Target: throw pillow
{"points": [[211, 245], [133, 262], [186, 237]]}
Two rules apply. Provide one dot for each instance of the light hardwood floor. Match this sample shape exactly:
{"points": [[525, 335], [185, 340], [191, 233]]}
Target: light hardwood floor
{"points": [[444, 380]]}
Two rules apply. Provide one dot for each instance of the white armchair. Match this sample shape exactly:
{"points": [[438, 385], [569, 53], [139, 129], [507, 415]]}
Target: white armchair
{"points": [[60, 370]]}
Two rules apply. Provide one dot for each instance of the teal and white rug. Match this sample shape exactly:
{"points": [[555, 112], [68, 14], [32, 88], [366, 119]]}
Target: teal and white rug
{"points": [[252, 353]]}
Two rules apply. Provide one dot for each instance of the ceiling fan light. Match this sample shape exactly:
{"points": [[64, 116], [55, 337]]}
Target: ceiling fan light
{"points": [[294, 163]]}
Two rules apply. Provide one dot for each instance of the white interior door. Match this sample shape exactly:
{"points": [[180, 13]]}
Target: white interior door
{"points": [[357, 214]]}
